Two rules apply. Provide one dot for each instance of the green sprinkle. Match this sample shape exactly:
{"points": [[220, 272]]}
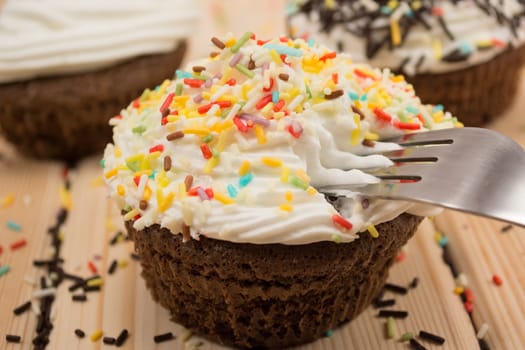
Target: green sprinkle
{"points": [[102, 163], [133, 166], [153, 173], [242, 40], [407, 336], [329, 333], [390, 328], [412, 110], [4, 269], [336, 238], [244, 70], [13, 226], [297, 182], [208, 138], [308, 91], [139, 129], [201, 77], [178, 89], [215, 153]]}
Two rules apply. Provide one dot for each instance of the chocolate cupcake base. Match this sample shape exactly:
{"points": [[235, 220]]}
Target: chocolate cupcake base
{"points": [[66, 117], [271, 295], [477, 94]]}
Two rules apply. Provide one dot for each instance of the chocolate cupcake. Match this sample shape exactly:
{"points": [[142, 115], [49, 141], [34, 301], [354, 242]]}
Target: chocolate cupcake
{"points": [[216, 176], [464, 54], [66, 69]]}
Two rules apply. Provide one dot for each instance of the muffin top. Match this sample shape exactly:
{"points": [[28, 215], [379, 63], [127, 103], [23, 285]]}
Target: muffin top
{"points": [[236, 145], [50, 37], [414, 36]]}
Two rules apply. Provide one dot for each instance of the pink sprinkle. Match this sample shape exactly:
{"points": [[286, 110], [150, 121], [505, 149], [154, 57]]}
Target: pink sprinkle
{"points": [[235, 59]]}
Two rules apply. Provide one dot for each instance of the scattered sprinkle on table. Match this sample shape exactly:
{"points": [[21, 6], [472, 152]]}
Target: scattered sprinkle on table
{"points": [[407, 336], [384, 303], [7, 200], [22, 308], [109, 340], [80, 333], [436, 339], [393, 313], [122, 337], [390, 328], [13, 226], [497, 280], [10, 338], [395, 288], [163, 337], [482, 331], [4, 269], [18, 244], [416, 345], [506, 228], [96, 335]]}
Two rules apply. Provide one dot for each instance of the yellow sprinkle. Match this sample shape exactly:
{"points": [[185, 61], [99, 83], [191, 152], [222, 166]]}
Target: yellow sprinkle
{"points": [[358, 104], [355, 136], [166, 202], [285, 174], [437, 236], [436, 46], [271, 162], [8, 200], [206, 95], [395, 33], [288, 195], [244, 168], [118, 152], [122, 263], [398, 78], [458, 125], [219, 127], [131, 214], [222, 198], [172, 118], [302, 175], [111, 173], [147, 193], [210, 164], [438, 116], [96, 336], [259, 132], [459, 290], [200, 132], [95, 282], [180, 100], [372, 230], [65, 197], [371, 136], [230, 42], [121, 190], [329, 4], [311, 190], [61, 236], [162, 179], [416, 5], [286, 207], [275, 57], [110, 225]]}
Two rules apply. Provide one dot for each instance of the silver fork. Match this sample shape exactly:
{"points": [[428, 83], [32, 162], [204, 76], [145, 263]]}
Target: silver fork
{"points": [[474, 170]]}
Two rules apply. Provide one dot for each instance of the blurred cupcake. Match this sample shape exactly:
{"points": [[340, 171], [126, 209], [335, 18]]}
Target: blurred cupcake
{"points": [[463, 54], [66, 68]]}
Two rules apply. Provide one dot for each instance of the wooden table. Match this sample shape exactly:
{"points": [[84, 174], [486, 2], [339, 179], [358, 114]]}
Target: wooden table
{"points": [[477, 247]]}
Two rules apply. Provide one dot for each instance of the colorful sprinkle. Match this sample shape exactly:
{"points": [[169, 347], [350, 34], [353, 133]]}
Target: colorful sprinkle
{"points": [[18, 244], [497, 280], [95, 336]]}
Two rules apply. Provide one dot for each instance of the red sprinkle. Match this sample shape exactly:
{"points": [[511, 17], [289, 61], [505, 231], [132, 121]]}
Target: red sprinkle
{"points": [[497, 42], [209, 192], [262, 42], [18, 244], [194, 83], [401, 256], [277, 107], [205, 108], [437, 11], [92, 267], [469, 296], [341, 221], [231, 82], [1, 249], [206, 152], [157, 148], [382, 115], [223, 104], [406, 126], [167, 101], [135, 103], [362, 74], [295, 132], [497, 280], [270, 87], [283, 39], [136, 180], [239, 124], [335, 78], [468, 306], [164, 121], [263, 102], [328, 55]]}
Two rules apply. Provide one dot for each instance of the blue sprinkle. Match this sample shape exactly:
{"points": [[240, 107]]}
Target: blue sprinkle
{"points": [[438, 108], [329, 333], [153, 173], [283, 49], [245, 180], [364, 97], [412, 109], [182, 74], [443, 241], [275, 96], [465, 48], [311, 42], [13, 226], [409, 13], [232, 191], [353, 96], [386, 10], [4, 269]]}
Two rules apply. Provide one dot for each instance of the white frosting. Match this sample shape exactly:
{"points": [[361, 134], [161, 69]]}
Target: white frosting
{"points": [[42, 38], [272, 199], [469, 25]]}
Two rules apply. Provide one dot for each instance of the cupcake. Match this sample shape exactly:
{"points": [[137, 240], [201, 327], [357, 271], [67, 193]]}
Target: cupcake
{"points": [[67, 68], [216, 175], [464, 54]]}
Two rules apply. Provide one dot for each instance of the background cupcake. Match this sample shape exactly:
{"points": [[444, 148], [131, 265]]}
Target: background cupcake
{"points": [[216, 174], [66, 68], [463, 54]]}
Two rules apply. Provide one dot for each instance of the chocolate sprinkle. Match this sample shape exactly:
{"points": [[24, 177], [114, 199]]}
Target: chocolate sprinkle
{"points": [[395, 288], [175, 135], [506, 228], [22, 308], [112, 267], [284, 76], [10, 338], [80, 333], [393, 313], [167, 163], [122, 337], [414, 283], [334, 94], [79, 297], [217, 42], [416, 345], [436, 339], [163, 337], [384, 303], [109, 340]]}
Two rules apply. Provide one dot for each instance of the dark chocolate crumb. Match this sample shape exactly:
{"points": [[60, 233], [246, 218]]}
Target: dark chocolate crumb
{"points": [[436, 339], [163, 337], [483, 344], [10, 338], [506, 228], [414, 283]]}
